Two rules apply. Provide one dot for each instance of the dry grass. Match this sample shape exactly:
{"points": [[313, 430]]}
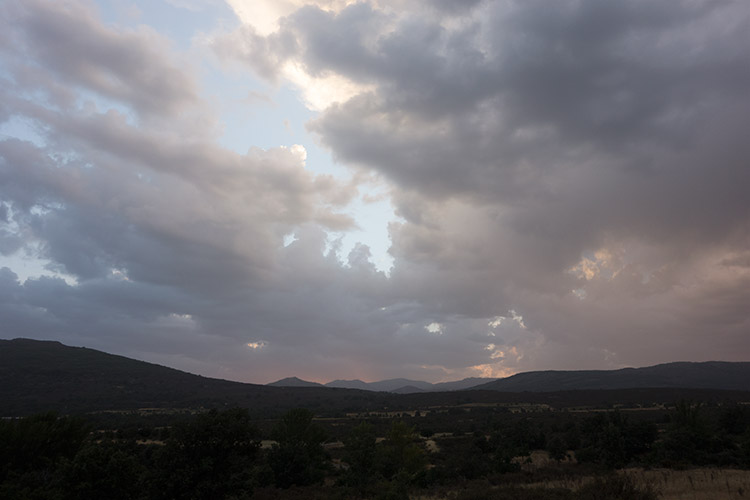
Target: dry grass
{"points": [[693, 484], [696, 484]]}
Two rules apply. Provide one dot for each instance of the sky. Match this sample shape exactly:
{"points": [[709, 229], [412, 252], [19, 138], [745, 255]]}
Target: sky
{"points": [[335, 189]]}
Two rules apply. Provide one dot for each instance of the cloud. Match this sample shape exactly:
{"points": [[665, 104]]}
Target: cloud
{"points": [[154, 224], [570, 182], [522, 139], [127, 66]]}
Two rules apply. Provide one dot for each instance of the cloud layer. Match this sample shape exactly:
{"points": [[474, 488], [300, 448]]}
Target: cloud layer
{"points": [[571, 181]]}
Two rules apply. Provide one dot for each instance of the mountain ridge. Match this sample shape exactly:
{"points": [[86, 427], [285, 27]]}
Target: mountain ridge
{"points": [[39, 375], [395, 385], [47, 375], [726, 375]]}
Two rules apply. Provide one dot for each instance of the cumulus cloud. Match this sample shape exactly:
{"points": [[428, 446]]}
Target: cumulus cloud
{"points": [[127, 66], [134, 211], [570, 182], [523, 140]]}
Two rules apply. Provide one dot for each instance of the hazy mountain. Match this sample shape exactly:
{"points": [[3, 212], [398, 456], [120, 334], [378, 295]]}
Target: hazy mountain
{"points": [[398, 385], [389, 385], [349, 384], [460, 385], [294, 382], [408, 389], [706, 375]]}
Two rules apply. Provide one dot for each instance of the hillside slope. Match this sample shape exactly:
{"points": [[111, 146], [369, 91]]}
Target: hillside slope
{"points": [[43, 375], [706, 375]]}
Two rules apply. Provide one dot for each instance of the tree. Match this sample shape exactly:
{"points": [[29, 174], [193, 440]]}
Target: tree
{"points": [[401, 459], [514, 440], [40, 440], [298, 457], [32, 451], [211, 456], [361, 452], [106, 469], [612, 440], [688, 438]]}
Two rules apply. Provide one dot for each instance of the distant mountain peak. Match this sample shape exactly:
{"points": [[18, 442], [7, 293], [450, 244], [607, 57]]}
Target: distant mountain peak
{"points": [[408, 389], [294, 382], [349, 384], [399, 385]]}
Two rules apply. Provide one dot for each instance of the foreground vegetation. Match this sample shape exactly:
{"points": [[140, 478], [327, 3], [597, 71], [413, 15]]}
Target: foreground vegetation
{"points": [[464, 454]]}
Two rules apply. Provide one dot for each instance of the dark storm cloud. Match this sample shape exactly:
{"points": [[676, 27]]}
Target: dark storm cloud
{"points": [[591, 106]]}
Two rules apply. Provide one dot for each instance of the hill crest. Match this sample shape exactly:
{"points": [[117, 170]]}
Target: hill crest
{"points": [[724, 375], [294, 382], [47, 375]]}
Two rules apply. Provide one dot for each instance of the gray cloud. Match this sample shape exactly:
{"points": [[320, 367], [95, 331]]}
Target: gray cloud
{"points": [[264, 55], [171, 239], [570, 180], [548, 134], [122, 65]]}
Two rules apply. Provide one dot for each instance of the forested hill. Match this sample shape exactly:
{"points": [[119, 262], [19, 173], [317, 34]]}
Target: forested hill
{"points": [[706, 375]]}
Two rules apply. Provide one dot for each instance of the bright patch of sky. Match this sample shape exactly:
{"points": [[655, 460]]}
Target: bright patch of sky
{"points": [[27, 264], [21, 128], [178, 20], [253, 113]]}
